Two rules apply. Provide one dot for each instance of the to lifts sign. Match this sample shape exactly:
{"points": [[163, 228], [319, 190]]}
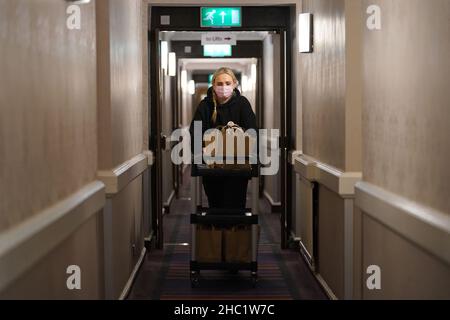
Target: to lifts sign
{"points": [[218, 38], [218, 17]]}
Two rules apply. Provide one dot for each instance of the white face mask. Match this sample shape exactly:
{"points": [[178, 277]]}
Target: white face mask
{"points": [[224, 92]]}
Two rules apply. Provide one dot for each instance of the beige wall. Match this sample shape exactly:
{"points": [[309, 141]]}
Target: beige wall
{"points": [[271, 107], [406, 147], [323, 84], [406, 100], [331, 240], [126, 79], [120, 81], [48, 107], [331, 96], [127, 240], [407, 272], [145, 74], [167, 122], [48, 134], [331, 85], [123, 131], [71, 104], [47, 279]]}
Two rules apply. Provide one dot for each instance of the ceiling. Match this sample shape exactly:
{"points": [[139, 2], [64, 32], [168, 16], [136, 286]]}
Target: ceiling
{"points": [[197, 35], [199, 65]]}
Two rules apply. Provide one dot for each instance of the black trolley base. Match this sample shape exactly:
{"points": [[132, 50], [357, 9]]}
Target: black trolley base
{"points": [[196, 267], [223, 221]]}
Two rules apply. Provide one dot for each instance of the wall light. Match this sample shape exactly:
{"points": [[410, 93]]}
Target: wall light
{"points": [[245, 84], [172, 64], [79, 1], [184, 80], [254, 76], [164, 53], [217, 50], [191, 87], [305, 33]]}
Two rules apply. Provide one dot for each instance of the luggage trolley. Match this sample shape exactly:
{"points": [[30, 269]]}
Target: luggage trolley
{"points": [[224, 218]]}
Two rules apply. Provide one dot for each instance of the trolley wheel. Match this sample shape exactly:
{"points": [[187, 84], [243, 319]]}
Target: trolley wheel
{"points": [[194, 279], [254, 279]]}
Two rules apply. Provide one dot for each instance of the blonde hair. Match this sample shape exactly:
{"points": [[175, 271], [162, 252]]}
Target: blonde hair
{"points": [[219, 72]]}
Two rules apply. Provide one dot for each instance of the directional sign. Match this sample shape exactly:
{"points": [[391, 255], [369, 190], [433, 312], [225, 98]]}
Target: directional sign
{"points": [[218, 38], [219, 17]]}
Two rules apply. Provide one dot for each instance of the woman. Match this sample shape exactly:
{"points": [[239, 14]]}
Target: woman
{"points": [[224, 103]]}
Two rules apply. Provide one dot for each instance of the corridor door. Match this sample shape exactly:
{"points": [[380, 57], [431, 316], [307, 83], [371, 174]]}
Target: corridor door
{"points": [[285, 114], [157, 139]]}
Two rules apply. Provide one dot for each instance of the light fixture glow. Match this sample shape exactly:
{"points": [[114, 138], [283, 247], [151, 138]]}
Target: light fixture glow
{"points": [[305, 38], [253, 77], [172, 64], [210, 79], [244, 83], [217, 50], [184, 80], [164, 53], [191, 87], [79, 1]]}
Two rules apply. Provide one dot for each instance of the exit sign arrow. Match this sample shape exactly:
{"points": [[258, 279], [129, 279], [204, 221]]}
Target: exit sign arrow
{"points": [[223, 14]]}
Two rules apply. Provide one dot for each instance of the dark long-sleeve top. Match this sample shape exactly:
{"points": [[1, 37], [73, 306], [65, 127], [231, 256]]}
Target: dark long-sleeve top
{"points": [[237, 110]]}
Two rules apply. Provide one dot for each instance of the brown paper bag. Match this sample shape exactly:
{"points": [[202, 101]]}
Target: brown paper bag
{"points": [[229, 132], [238, 244], [208, 244]]}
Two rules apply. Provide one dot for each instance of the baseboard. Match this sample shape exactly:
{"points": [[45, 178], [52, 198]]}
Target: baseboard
{"points": [[325, 287], [275, 206], [294, 241], [26, 244], [307, 256], [166, 205], [148, 241], [323, 284], [126, 290]]}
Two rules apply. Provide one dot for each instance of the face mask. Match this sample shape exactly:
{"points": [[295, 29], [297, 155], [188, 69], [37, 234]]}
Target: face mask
{"points": [[224, 92]]}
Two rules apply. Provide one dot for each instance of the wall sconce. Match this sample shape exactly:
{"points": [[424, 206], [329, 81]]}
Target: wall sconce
{"points": [[305, 33], [245, 84], [254, 76], [172, 64], [184, 80], [164, 53], [79, 1], [191, 87]]}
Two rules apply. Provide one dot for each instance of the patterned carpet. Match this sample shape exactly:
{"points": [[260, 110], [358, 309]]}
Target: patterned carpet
{"points": [[164, 275]]}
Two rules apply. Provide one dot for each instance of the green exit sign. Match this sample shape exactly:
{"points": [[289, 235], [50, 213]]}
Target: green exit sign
{"points": [[219, 17]]}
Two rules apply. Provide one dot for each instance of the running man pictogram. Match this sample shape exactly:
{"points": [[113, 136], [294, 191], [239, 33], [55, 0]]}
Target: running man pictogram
{"points": [[210, 16]]}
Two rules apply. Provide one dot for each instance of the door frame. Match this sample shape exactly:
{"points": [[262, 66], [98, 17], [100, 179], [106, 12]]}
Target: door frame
{"points": [[285, 134], [155, 138]]}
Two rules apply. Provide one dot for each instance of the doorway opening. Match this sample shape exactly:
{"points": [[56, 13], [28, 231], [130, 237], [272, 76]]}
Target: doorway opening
{"points": [[180, 72]]}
